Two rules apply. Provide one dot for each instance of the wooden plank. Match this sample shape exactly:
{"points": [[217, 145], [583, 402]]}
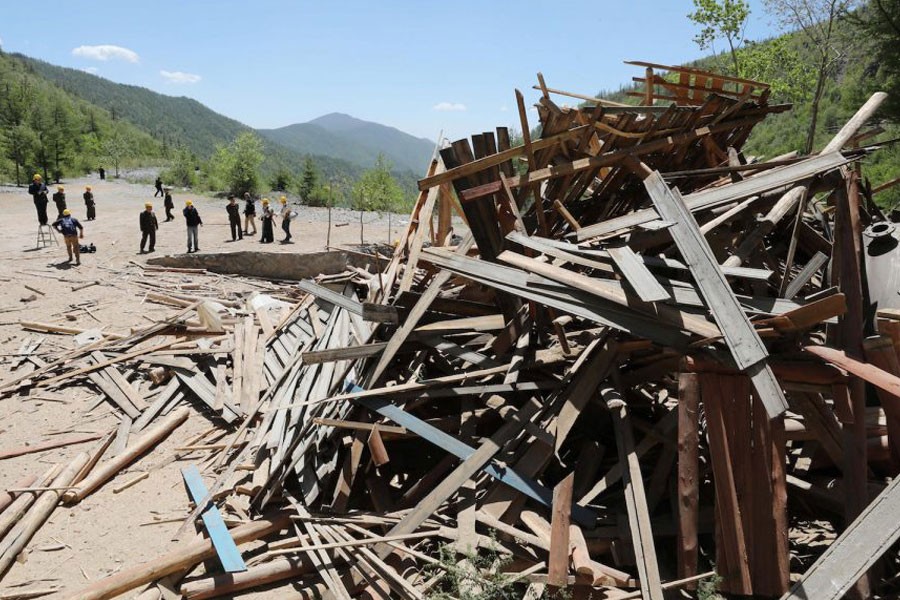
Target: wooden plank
{"points": [[858, 548], [470, 455], [743, 342], [423, 215], [866, 371], [226, 550], [113, 392], [558, 563], [635, 272], [753, 186], [49, 444], [636, 501], [728, 515], [688, 474], [368, 311], [313, 357]]}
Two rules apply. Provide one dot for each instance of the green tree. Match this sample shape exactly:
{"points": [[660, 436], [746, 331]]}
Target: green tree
{"points": [[241, 161], [309, 179], [282, 179], [117, 148], [181, 170], [879, 21], [376, 189], [818, 21], [778, 63], [61, 135], [19, 141], [721, 19]]}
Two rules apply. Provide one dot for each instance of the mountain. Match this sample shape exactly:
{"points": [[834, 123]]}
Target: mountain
{"points": [[341, 136]]}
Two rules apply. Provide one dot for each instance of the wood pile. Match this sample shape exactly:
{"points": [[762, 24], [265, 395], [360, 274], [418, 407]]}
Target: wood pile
{"points": [[649, 360]]}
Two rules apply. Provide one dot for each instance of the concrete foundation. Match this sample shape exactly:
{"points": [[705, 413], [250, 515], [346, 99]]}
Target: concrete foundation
{"points": [[270, 265]]}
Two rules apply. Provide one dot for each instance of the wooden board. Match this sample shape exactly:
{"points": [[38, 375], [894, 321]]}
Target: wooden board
{"points": [[226, 550]]}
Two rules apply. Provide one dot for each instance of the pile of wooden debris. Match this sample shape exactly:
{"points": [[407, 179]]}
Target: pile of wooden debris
{"points": [[642, 348]]}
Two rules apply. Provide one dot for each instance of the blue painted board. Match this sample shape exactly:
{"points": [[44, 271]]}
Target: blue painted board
{"points": [[450, 444], [226, 549]]}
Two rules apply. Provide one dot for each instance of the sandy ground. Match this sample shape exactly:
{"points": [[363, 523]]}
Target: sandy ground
{"points": [[107, 531]]}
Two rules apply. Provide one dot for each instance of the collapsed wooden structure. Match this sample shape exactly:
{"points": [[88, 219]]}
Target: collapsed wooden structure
{"points": [[643, 360]]}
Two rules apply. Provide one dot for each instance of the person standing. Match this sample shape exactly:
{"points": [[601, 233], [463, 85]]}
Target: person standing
{"points": [[285, 220], [59, 199], [169, 205], [102, 172], [234, 219], [193, 221], [268, 235], [71, 230], [38, 190], [149, 225], [89, 203], [249, 214], [159, 189]]}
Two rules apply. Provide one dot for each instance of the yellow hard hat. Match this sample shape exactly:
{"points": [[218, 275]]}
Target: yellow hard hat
{"points": [[67, 212], [148, 205], [188, 203], [283, 200], [265, 200], [37, 176], [60, 188], [87, 187]]}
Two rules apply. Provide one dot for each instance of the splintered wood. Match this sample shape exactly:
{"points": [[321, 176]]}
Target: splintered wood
{"points": [[642, 345]]}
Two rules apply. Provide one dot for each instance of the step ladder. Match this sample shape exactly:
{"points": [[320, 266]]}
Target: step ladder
{"points": [[46, 236]]}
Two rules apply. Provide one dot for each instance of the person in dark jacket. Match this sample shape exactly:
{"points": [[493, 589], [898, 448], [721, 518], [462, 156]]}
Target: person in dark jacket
{"points": [[39, 191], [268, 215], [102, 172], [234, 219], [149, 225], [71, 230], [193, 221], [59, 199], [249, 214], [89, 203], [169, 205], [286, 220], [159, 188]]}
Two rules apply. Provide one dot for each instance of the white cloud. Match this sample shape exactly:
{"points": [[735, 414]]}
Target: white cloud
{"points": [[503, 108], [179, 77], [449, 107], [106, 52], [91, 70], [1, 41]]}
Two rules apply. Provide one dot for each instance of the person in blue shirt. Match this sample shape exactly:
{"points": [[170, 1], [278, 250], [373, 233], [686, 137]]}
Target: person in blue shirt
{"points": [[71, 230], [38, 190]]}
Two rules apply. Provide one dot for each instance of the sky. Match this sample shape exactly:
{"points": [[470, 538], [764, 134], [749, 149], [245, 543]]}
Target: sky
{"points": [[423, 67]]}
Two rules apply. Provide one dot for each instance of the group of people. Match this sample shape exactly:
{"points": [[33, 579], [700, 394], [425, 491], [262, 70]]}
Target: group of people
{"points": [[267, 219], [72, 230], [39, 192], [149, 224]]}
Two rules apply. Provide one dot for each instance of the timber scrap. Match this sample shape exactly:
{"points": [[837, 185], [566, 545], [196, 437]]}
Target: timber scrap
{"points": [[643, 344]]}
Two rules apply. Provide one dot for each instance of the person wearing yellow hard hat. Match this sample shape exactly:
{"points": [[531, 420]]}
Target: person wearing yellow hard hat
{"points": [[39, 192], [71, 230], [149, 225], [267, 219], [193, 221], [59, 199], [89, 203], [286, 215]]}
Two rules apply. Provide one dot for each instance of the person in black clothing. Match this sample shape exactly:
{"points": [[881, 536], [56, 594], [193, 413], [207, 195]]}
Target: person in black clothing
{"points": [[59, 199], [72, 230], [249, 214], [89, 203], [149, 226], [169, 205], [39, 191], [159, 188], [193, 221], [102, 172], [285, 220], [234, 219], [268, 215]]}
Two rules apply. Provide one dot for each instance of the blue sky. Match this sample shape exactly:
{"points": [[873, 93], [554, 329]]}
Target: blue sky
{"points": [[422, 67]]}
